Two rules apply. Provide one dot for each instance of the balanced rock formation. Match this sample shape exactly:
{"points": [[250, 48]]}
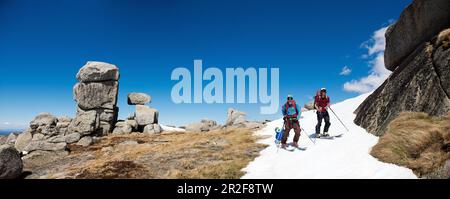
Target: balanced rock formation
{"points": [[96, 95], [145, 118], [421, 82], [418, 23], [10, 162]]}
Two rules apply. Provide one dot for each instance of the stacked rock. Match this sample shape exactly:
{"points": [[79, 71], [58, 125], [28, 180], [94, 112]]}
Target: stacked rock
{"points": [[96, 95], [145, 118]]}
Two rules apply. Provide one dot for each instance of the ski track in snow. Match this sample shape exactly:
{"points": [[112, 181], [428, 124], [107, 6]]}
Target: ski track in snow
{"points": [[345, 157]]}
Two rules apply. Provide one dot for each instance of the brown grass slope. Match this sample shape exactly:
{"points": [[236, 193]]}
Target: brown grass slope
{"points": [[417, 141], [216, 154]]}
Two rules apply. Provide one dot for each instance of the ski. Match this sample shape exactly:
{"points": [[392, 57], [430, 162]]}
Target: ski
{"points": [[298, 148], [290, 150], [301, 148], [329, 137]]}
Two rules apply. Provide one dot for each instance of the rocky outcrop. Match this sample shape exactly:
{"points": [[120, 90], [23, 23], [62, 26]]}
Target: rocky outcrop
{"points": [[418, 23], [235, 118], [96, 96], [414, 86], [203, 126], [10, 162], [419, 45]]}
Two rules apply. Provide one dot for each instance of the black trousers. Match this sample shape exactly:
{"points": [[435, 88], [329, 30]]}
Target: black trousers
{"points": [[323, 116]]}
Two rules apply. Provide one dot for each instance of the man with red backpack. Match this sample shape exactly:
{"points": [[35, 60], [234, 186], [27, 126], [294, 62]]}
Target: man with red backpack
{"points": [[291, 114], [321, 104]]}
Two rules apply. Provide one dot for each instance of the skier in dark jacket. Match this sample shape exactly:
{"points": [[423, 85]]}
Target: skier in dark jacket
{"points": [[291, 114], [321, 104]]}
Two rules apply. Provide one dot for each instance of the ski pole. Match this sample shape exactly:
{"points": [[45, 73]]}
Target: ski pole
{"points": [[339, 119], [308, 136]]}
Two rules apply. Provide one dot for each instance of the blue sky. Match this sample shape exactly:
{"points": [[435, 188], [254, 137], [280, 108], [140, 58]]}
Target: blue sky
{"points": [[44, 43]]}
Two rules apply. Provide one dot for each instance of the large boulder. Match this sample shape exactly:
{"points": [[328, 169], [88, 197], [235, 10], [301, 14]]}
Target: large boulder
{"points": [[419, 84], [235, 118], [45, 146], [152, 129], [85, 141], [145, 115], [418, 23], [85, 122], [138, 99], [95, 71], [43, 119], [23, 140], [39, 158], [96, 95], [10, 162], [122, 128]]}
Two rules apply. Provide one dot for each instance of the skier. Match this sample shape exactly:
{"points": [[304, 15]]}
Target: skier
{"points": [[322, 103], [291, 114]]}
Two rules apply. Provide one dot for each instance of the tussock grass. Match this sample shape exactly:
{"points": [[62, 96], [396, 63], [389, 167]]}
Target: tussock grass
{"points": [[217, 154], [417, 141]]}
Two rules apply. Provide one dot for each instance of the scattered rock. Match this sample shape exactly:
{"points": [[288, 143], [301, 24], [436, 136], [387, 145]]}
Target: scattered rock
{"points": [[129, 142], [132, 123], [95, 71], [23, 140], [122, 128], [138, 99], [2, 139], [152, 129], [11, 165], [418, 23], [85, 141], [11, 139]]}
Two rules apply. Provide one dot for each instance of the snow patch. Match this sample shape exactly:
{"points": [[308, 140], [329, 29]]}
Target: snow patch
{"points": [[345, 157]]}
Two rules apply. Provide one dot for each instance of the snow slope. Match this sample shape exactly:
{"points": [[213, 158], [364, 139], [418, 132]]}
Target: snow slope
{"points": [[345, 157], [171, 129]]}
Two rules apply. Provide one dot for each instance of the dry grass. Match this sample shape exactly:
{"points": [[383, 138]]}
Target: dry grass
{"points": [[217, 154], [416, 141]]}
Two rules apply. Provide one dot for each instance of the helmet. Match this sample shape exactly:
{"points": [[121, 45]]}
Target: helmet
{"points": [[289, 97]]}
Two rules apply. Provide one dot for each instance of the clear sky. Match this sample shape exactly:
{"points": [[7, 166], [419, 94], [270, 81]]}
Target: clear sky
{"points": [[44, 43]]}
